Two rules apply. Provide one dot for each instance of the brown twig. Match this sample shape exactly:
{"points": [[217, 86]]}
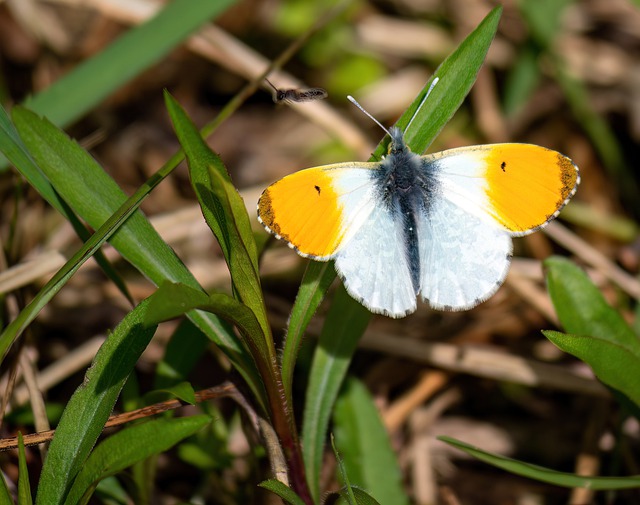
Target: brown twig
{"points": [[225, 390]]}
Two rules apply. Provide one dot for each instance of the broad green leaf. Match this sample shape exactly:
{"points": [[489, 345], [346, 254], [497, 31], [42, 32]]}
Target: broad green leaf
{"points": [[16, 152], [183, 391], [226, 214], [614, 364], [24, 487], [96, 198], [224, 210], [582, 309], [91, 404], [283, 491], [364, 445], [129, 446], [184, 349], [173, 300], [545, 474], [94, 195], [316, 281], [347, 319], [360, 497]]}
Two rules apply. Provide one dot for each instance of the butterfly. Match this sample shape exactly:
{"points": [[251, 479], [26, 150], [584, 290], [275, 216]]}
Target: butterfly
{"points": [[297, 95], [437, 226]]}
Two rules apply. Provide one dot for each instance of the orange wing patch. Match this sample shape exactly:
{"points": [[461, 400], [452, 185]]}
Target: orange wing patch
{"points": [[528, 185], [303, 209]]}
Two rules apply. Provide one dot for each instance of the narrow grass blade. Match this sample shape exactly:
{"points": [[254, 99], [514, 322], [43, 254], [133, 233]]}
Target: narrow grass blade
{"points": [[347, 318], [456, 74], [344, 325], [284, 492], [5, 497], [130, 446], [91, 82], [24, 487], [315, 284], [91, 404], [545, 474], [364, 445]]}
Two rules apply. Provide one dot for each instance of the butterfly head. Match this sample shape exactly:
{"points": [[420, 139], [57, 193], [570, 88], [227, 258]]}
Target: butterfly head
{"points": [[397, 144]]}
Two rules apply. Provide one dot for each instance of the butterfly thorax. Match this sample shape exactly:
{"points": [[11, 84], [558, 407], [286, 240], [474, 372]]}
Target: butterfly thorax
{"points": [[405, 186]]}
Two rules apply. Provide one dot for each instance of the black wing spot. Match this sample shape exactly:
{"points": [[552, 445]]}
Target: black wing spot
{"points": [[503, 165], [317, 189]]}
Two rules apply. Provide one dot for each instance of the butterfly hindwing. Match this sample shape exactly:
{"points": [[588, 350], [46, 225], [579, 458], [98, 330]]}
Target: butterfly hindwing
{"points": [[374, 268], [463, 259]]}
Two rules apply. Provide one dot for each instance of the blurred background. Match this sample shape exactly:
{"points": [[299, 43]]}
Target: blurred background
{"points": [[562, 74]]}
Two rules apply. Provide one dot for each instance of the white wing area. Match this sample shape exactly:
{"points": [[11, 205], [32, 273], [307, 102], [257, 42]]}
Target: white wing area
{"points": [[356, 197], [374, 268], [461, 180], [463, 259]]}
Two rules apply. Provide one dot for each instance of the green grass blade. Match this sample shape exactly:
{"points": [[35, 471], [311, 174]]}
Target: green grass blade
{"points": [[344, 325], [457, 74], [24, 487], [286, 493], [91, 404], [543, 19], [91, 82], [545, 474], [130, 446], [226, 214], [364, 445], [13, 148], [316, 281], [5, 496]]}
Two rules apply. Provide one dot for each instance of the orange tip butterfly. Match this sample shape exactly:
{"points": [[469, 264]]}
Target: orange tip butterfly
{"points": [[438, 226]]}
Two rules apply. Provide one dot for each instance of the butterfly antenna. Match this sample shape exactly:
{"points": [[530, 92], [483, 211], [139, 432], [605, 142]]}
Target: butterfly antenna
{"points": [[433, 85], [271, 84], [354, 102]]}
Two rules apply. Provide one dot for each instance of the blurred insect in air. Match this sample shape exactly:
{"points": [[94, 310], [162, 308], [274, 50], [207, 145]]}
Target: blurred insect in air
{"points": [[297, 95]]}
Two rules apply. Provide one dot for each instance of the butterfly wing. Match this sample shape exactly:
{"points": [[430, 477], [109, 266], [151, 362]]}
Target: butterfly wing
{"points": [[519, 187], [317, 210], [463, 259], [332, 212], [374, 266], [485, 195]]}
